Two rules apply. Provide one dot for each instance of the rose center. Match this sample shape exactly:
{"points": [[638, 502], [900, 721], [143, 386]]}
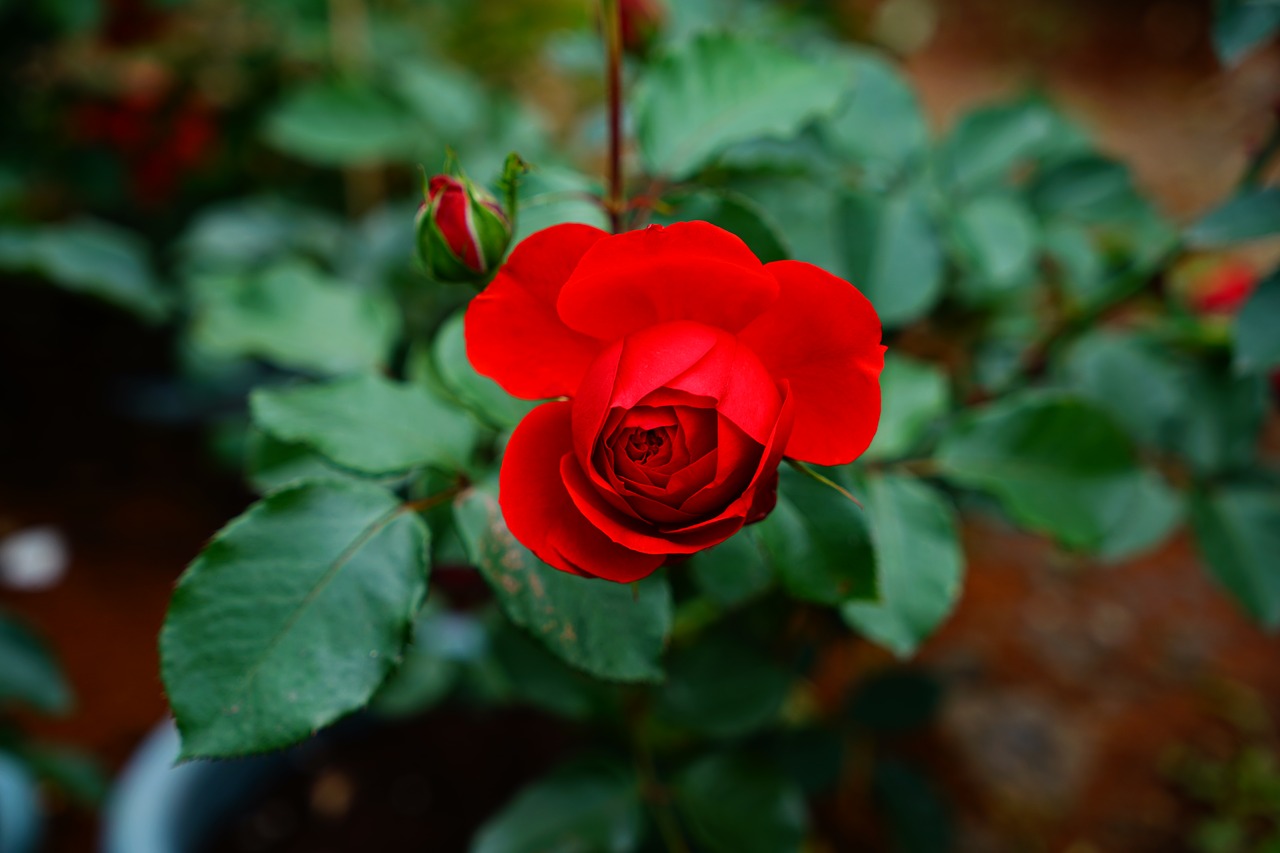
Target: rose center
{"points": [[644, 443]]}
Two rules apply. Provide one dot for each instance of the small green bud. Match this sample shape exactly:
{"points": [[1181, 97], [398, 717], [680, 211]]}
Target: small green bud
{"points": [[462, 230]]}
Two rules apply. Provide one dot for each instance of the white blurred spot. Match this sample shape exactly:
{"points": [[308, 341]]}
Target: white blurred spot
{"points": [[33, 559]]}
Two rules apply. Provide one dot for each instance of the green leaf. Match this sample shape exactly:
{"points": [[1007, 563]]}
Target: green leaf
{"points": [[1144, 390], [735, 213], [92, 258], [584, 808], [1248, 216], [720, 90], [892, 253], [818, 543], [1089, 189], [342, 124], [28, 672], [880, 128], [733, 572], [1240, 26], [291, 617], [611, 630], [805, 212], [986, 144], [480, 394], [430, 662], [1219, 427], [1081, 266], [555, 196], [248, 233], [914, 397], [1238, 530], [996, 240], [538, 677], [919, 561], [722, 686], [1147, 522], [271, 463], [294, 316], [1258, 327], [76, 774], [1057, 464], [736, 804], [367, 423]]}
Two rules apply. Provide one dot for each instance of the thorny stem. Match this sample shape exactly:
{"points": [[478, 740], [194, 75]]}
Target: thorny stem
{"points": [[615, 201]]}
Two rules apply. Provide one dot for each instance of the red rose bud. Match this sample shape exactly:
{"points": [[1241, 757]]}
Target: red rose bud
{"points": [[462, 231], [1226, 289], [642, 22]]}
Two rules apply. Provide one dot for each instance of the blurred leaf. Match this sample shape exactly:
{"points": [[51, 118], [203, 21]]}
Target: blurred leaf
{"points": [[291, 617], [818, 543], [1057, 464], [805, 213], [914, 397], [271, 463], [812, 756], [916, 814], [996, 240], [441, 641], [1240, 26], [987, 143], [733, 572], [29, 674], [72, 16], [76, 774], [543, 680], [583, 808], [92, 258], [21, 805], [1238, 530], [1087, 189], [1248, 216], [367, 423], [478, 393], [244, 234], [294, 316], [720, 90], [1082, 269], [341, 124], [880, 128], [1258, 327], [1131, 380], [1219, 429], [735, 213], [895, 700], [891, 253], [613, 631], [735, 804], [553, 196], [722, 686], [449, 99], [919, 564], [1148, 521]]}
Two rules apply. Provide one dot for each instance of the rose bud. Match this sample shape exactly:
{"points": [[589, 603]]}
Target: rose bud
{"points": [[642, 23], [462, 230], [679, 371], [1225, 289]]}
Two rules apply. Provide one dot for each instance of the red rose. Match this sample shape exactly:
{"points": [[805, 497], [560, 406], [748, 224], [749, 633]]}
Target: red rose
{"points": [[690, 370]]}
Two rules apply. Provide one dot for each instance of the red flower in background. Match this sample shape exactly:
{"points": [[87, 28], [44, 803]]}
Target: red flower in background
{"points": [[1226, 288], [690, 369]]}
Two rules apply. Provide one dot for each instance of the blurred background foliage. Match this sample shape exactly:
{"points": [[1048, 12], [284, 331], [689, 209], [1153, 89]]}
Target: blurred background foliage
{"points": [[1068, 356]]}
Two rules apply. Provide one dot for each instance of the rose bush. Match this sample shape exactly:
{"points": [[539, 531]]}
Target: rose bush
{"points": [[690, 368]]}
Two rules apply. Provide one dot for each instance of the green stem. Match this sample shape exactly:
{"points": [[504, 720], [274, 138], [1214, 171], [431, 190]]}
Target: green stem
{"points": [[824, 480]]}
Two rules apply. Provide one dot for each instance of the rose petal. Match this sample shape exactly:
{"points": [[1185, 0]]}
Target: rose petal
{"points": [[687, 271], [514, 335], [823, 337], [539, 512]]}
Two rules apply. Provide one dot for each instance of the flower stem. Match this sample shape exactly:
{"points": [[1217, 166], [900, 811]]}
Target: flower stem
{"points": [[615, 201], [824, 480]]}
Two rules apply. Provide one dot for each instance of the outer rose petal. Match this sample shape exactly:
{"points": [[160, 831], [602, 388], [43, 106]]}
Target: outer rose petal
{"points": [[687, 271], [514, 335], [539, 512], [823, 336]]}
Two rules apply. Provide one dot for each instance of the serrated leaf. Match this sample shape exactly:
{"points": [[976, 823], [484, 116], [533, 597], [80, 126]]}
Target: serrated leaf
{"points": [[738, 804], [1237, 528], [291, 617], [1258, 327], [1248, 216], [818, 543], [611, 630], [919, 564], [367, 423], [585, 808], [892, 253], [294, 316], [29, 674], [92, 258], [720, 90], [915, 395], [1057, 464]]}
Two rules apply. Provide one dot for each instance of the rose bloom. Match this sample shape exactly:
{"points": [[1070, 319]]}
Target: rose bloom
{"points": [[684, 370]]}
